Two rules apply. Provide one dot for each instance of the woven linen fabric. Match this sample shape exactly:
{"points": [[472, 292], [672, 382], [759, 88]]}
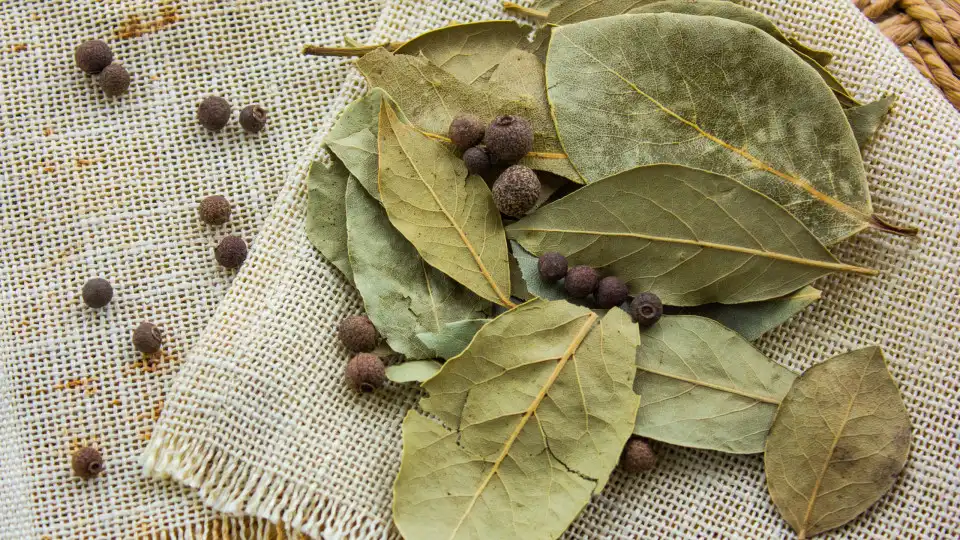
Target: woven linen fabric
{"points": [[260, 422], [91, 186]]}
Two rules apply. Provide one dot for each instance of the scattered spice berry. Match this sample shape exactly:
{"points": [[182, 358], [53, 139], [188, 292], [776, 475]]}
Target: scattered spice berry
{"points": [[552, 266], [253, 118], [92, 56], [147, 338], [87, 462], [365, 372], [637, 456], [516, 191], [115, 80], [611, 292], [646, 309], [97, 293], [477, 160], [466, 131], [214, 210], [213, 113], [508, 138], [231, 252], [357, 333], [581, 281]]}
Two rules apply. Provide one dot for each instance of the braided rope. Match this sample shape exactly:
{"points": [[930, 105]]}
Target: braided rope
{"points": [[928, 34]]}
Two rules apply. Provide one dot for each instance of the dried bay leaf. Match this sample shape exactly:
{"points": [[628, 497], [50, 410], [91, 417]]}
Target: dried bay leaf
{"points": [[866, 119], [326, 225], [527, 263], [453, 337], [770, 138], [532, 419], [690, 236], [413, 371], [430, 98], [354, 139], [704, 386], [402, 295], [753, 319], [453, 223], [838, 442]]}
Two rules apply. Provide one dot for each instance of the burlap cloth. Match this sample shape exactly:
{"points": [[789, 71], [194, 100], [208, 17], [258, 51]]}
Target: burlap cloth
{"points": [[258, 422]]}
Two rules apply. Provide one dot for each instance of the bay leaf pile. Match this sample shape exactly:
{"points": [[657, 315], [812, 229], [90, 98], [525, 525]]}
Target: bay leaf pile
{"points": [[683, 153]]}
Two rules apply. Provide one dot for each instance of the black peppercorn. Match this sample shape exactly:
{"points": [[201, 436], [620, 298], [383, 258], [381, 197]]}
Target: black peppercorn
{"points": [[214, 210], [508, 138], [253, 118], [147, 338], [637, 456], [611, 291], [97, 293], [92, 56], [466, 131], [365, 372], [357, 333], [552, 266], [646, 309], [114, 80], [477, 160], [87, 462], [581, 281], [213, 113], [231, 252]]}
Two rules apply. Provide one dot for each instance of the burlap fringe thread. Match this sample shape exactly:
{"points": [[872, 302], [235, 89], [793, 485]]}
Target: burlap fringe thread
{"points": [[927, 32], [235, 489]]}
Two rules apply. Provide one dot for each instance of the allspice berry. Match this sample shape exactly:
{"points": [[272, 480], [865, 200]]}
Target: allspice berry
{"points": [[97, 293], [477, 160], [516, 191], [508, 138], [637, 456], [231, 252], [552, 266], [466, 131], [92, 56], [611, 292], [646, 309], [213, 113], [357, 333], [365, 372], [87, 462], [214, 210], [147, 338], [114, 80], [581, 281], [253, 118]]}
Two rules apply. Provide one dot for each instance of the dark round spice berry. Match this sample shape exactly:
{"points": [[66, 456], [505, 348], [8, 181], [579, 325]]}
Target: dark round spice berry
{"points": [[214, 210], [357, 333], [97, 293], [508, 138], [611, 292], [516, 191], [466, 131], [365, 372], [646, 309], [213, 113], [147, 338], [637, 456], [253, 118], [581, 281], [552, 266], [93, 56], [477, 160], [114, 80], [231, 252], [87, 462]]}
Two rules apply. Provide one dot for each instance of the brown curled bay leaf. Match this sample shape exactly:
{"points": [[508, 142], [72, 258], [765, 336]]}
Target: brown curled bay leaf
{"points": [[413, 371], [690, 236], [753, 319], [430, 98], [647, 112], [866, 119], [402, 295], [448, 216], [326, 225], [838, 442], [704, 386], [525, 426]]}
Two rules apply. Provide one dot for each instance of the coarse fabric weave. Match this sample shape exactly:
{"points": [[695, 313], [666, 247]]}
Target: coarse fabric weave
{"points": [[91, 186]]}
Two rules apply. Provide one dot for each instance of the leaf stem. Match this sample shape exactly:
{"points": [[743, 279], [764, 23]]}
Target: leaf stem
{"points": [[317, 50], [525, 11]]}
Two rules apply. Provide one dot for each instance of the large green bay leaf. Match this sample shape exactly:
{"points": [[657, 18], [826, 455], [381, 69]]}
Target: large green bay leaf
{"points": [[838, 442], [430, 98], [718, 95], [402, 295], [326, 225], [754, 319], [530, 422], [704, 386], [690, 236], [449, 217]]}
